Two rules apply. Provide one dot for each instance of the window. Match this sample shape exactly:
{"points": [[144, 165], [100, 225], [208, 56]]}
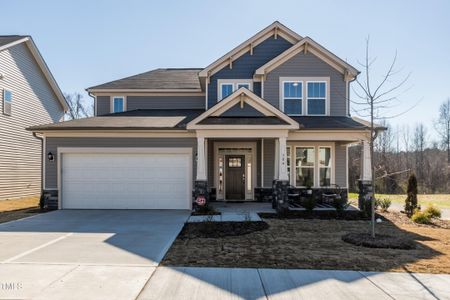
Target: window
{"points": [[7, 102], [304, 166], [316, 98], [118, 104], [292, 97], [324, 166], [227, 87], [234, 162]]}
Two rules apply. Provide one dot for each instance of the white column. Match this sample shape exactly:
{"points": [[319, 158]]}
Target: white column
{"points": [[366, 170], [282, 172], [201, 159]]}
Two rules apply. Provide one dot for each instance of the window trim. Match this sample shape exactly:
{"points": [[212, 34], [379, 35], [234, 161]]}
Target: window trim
{"points": [[5, 102], [305, 81], [330, 167], [316, 146], [325, 98], [234, 83], [292, 98], [111, 103]]}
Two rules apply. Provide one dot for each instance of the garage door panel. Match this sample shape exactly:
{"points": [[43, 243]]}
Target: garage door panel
{"points": [[119, 181]]}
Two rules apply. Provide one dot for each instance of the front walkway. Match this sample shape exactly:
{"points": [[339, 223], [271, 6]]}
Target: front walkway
{"points": [[235, 212], [233, 283]]}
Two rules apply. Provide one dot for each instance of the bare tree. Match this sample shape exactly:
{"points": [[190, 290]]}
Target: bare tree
{"points": [[442, 126], [78, 107], [419, 145], [376, 99]]}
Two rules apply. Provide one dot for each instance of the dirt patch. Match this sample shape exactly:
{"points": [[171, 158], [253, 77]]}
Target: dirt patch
{"points": [[379, 241], [354, 215], [20, 203], [12, 215], [220, 229], [316, 244]]}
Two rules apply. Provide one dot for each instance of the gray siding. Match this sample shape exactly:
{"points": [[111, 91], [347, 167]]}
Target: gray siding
{"points": [[341, 164], [269, 162], [33, 103], [244, 67], [307, 65], [245, 111], [53, 143], [153, 102]]}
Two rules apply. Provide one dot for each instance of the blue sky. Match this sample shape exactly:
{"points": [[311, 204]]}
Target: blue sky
{"points": [[90, 42]]}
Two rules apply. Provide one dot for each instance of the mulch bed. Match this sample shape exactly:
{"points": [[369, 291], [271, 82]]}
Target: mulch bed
{"points": [[352, 215], [211, 213], [12, 215], [220, 229], [379, 241]]}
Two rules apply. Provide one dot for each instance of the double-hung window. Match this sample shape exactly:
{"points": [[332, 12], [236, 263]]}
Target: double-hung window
{"points": [[316, 98], [305, 158], [7, 102], [227, 87], [292, 97], [324, 166], [118, 104]]}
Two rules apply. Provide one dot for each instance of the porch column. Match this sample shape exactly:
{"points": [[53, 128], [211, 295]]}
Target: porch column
{"points": [[201, 159], [366, 170], [281, 183], [365, 179], [282, 165]]}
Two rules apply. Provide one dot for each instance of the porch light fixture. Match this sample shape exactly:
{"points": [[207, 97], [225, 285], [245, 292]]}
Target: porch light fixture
{"points": [[50, 156]]}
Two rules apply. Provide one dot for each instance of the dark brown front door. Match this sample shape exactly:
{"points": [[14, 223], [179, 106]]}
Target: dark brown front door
{"points": [[235, 177]]}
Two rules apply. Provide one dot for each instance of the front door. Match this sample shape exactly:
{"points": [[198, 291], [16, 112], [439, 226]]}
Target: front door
{"points": [[235, 177]]}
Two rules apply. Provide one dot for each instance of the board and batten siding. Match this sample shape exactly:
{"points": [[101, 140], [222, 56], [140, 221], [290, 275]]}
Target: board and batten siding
{"points": [[308, 65], [52, 144], [153, 102], [245, 66], [33, 103]]}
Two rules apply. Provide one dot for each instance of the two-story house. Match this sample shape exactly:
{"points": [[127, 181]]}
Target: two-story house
{"points": [[29, 95], [272, 112]]}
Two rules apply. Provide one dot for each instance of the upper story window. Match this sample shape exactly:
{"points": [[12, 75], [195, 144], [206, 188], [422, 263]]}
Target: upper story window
{"points": [[304, 96], [7, 102], [117, 104], [317, 98], [292, 97], [228, 86]]}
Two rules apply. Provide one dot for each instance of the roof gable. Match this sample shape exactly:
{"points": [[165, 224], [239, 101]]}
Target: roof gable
{"points": [[244, 97], [9, 41], [309, 45], [275, 29]]}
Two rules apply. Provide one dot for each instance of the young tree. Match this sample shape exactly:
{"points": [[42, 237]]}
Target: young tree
{"points": [[411, 199], [78, 107], [442, 126], [376, 99]]}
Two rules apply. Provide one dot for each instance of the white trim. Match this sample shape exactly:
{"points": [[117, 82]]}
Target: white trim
{"points": [[95, 105], [327, 97], [234, 83], [130, 150], [44, 161], [121, 133], [330, 135], [111, 103], [149, 91], [282, 82]]}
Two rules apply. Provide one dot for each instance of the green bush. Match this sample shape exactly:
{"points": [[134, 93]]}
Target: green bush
{"points": [[340, 204], [309, 202], [433, 212], [421, 217], [384, 204], [411, 200]]}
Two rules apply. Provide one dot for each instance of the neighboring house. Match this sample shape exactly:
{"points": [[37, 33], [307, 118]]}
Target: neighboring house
{"points": [[29, 95], [271, 112]]}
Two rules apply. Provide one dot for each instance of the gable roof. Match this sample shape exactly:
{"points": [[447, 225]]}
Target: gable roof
{"points": [[276, 28], [7, 41], [308, 45], [179, 79], [242, 96]]}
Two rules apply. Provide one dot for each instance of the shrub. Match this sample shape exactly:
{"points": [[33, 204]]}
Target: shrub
{"points": [[421, 217], [309, 202], [411, 199], [205, 210], [340, 204], [384, 204], [433, 212]]}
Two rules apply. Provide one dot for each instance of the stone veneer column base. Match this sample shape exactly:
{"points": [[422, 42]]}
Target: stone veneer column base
{"points": [[280, 195], [200, 189]]}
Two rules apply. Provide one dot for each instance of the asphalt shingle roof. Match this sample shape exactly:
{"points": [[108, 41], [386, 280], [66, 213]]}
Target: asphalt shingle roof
{"points": [[6, 39], [328, 122], [160, 79]]}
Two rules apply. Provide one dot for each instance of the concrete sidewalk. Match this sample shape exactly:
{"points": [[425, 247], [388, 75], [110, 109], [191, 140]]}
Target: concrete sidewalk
{"points": [[232, 283]]}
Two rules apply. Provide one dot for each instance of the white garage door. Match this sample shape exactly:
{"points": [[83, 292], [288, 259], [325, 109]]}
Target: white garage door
{"points": [[126, 180]]}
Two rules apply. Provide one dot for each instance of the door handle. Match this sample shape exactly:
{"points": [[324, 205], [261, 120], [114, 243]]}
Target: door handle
{"points": [[243, 177]]}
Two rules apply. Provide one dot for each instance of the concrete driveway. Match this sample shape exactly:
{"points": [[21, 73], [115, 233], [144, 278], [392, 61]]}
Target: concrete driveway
{"points": [[78, 254]]}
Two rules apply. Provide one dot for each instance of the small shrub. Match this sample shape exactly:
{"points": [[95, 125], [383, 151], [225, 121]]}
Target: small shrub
{"points": [[421, 217], [411, 199], [433, 212], [205, 210], [384, 204], [340, 204], [309, 203]]}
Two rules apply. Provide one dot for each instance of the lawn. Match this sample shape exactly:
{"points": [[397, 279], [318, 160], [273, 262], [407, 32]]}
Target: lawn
{"points": [[15, 209], [317, 244], [440, 200]]}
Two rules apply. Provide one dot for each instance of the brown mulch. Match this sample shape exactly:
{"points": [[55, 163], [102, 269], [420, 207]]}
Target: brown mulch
{"points": [[12, 215], [317, 244], [220, 229], [379, 241]]}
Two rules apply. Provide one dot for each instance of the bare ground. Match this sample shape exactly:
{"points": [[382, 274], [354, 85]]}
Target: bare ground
{"points": [[317, 244], [15, 209]]}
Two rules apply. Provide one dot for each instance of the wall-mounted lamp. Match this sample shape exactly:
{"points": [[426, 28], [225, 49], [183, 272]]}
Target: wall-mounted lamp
{"points": [[50, 156]]}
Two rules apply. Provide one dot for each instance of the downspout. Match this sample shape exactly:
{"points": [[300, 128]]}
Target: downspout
{"points": [[95, 102]]}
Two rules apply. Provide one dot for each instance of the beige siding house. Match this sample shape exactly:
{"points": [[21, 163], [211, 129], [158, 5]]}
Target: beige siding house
{"points": [[29, 95]]}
